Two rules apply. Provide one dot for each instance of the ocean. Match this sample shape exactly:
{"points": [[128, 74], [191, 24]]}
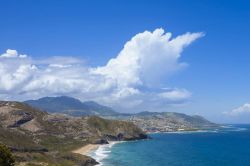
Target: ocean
{"points": [[227, 146]]}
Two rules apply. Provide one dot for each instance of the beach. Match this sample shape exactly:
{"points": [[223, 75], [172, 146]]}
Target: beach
{"points": [[97, 151], [85, 150]]}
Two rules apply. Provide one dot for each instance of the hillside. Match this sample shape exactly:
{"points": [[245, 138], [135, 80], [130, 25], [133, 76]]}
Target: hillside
{"points": [[148, 121], [36, 136], [70, 106], [165, 121]]}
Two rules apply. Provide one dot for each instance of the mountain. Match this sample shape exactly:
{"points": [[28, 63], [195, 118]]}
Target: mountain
{"points": [[166, 121], [148, 121], [70, 106], [39, 137]]}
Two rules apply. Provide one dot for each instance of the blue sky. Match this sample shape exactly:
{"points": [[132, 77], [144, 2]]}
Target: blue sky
{"points": [[217, 75]]}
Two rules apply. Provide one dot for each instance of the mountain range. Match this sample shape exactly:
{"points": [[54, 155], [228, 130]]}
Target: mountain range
{"points": [[148, 121], [70, 106]]}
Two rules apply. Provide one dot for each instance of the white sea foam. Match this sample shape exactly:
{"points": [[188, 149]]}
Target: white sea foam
{"points": [[239, 129], [103, 151], [233, 128], [227, 126]]}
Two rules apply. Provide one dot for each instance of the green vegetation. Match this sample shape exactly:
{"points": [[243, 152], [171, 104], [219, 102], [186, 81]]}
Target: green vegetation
{"points": [[115, 127], [39, 138], [51, 159], [61, 144], [6, 158], [70, 106]]}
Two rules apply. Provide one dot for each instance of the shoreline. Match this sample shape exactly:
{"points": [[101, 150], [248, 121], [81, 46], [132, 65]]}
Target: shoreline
{"points": [[193, 130], [85, 150], [97, 151]]}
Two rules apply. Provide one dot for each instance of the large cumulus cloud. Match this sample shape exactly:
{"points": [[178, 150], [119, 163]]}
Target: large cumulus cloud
{"points": [[131, 80]]}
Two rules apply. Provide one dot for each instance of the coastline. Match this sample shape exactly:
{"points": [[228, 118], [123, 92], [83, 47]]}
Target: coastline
{"points": [[191, 130], [90, 149], [176, 145], [97, 151], [87, 149]]}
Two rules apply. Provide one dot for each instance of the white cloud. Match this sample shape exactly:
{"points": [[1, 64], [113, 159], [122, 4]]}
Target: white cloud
{"points": [[146, 60], [23, 56], [59, 65], [242, 110], [176, 94], [9, 53], [12, 54]]}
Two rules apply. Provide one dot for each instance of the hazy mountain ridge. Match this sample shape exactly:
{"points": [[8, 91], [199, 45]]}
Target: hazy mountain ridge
{"points": [[148, 121], [34, 135], [70, 106]]}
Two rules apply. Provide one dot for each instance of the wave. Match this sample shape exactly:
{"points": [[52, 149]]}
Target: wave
{"points": [[103, 152], [232, 128], [239, 129]]}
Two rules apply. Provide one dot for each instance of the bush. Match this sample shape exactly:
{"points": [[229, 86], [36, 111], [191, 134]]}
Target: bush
{"points": [[6, 158]]}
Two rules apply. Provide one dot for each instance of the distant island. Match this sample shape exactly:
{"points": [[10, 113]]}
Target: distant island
{"points": [[53, 129]]}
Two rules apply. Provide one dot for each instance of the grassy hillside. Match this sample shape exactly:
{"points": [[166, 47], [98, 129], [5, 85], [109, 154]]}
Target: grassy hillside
{"points": [[36, 136], [165, 121]]}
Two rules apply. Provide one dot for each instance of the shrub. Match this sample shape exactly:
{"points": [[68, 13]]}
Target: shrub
{"points": [[6, 158]]}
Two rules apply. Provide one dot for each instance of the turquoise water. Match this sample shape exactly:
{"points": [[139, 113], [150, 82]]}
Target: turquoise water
{"points": [[229, 146]]}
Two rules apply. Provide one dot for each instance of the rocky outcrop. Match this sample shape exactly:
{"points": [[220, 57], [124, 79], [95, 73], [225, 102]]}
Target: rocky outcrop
{"points": [[88, 162], [101, 141], [115, 130]]}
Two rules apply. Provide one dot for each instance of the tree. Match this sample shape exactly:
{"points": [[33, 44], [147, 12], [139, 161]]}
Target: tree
{"points": [[6, 158]]}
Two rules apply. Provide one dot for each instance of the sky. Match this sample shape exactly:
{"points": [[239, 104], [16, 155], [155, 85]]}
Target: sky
{"points": [[182, 56]]}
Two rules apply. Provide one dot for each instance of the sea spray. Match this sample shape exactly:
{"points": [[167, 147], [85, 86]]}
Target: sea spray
{"points": [[103, 151]]}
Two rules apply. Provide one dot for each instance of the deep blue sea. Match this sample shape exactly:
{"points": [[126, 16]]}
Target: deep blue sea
{"points": [[227, 146]]}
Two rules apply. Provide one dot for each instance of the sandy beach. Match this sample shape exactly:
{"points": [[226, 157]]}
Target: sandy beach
{"points": [[86, 149]]}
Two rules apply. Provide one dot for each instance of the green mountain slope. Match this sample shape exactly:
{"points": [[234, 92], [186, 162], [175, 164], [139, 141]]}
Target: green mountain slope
{"points": [[148, 121], [70, 106], [36, 136]]}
